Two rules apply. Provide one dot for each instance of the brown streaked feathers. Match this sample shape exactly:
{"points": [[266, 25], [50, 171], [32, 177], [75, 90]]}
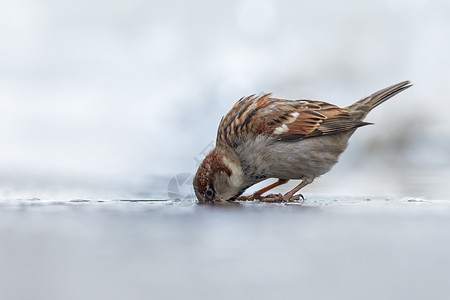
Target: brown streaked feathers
{"points": [[263, 137], [283, 119]]}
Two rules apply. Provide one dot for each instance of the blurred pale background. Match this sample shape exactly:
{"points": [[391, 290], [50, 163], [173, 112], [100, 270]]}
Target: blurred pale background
{"points": [[112, 99]]}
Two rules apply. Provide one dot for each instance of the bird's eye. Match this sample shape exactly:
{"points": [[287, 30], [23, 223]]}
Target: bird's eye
{"points": [[209, 194]]}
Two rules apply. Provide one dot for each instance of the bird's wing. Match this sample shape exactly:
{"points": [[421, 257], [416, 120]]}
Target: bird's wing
{"points": [[283, 119]]}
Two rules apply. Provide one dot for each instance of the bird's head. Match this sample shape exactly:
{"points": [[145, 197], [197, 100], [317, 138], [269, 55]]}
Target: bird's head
{"points": [[219, 177]]}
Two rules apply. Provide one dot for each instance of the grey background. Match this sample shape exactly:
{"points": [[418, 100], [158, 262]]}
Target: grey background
{"points": [[109, 100], [101, 99]]}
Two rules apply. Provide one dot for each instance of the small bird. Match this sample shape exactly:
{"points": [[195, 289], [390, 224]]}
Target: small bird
{"points": [[263, 137]]}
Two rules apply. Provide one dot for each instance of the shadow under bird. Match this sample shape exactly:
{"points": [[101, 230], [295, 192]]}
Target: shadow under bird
{"points": [[265, 137]]}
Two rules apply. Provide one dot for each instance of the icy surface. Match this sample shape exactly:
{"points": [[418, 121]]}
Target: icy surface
{"points": [[324, 248], [108, 101]]}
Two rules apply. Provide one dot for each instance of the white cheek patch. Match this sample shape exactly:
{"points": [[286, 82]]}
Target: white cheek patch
{"points": [[282, 129], [237, 176]]}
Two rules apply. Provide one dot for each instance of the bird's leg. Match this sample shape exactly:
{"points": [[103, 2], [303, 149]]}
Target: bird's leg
{"points": [[258, 194], [289, 196]]}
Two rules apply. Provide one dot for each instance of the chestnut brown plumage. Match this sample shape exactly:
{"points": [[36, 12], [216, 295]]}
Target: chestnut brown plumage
{"points": [[264, 137]]}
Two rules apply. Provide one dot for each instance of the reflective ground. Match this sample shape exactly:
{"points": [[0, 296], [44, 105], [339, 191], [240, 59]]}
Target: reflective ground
{"points": [[324, 248]]}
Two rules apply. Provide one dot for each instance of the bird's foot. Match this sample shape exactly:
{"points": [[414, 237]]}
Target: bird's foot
{"points": [[252, 197], [276, 198]]}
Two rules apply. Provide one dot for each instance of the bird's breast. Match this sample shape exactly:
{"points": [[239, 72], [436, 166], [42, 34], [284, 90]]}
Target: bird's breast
{"points": [[265, 157]]}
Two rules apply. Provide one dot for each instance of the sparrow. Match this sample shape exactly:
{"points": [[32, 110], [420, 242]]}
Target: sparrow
{"points": [[263, 137]]}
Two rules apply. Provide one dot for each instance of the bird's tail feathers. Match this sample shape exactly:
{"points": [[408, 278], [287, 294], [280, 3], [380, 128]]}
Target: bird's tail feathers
{"points": [[361, 108]]}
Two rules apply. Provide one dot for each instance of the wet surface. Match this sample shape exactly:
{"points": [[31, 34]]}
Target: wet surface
{"points": [[324, 248]]}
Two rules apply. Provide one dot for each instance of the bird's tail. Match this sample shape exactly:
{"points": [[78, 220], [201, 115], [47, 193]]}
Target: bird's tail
{"points": [[360, 109]]}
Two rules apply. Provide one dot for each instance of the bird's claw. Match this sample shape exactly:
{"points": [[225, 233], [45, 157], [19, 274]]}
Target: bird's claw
{"points": [[276, 198], [272, 198], [251, 197]]}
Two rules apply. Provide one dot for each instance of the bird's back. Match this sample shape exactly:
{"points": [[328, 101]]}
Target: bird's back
{"points": [[294, 139]]}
